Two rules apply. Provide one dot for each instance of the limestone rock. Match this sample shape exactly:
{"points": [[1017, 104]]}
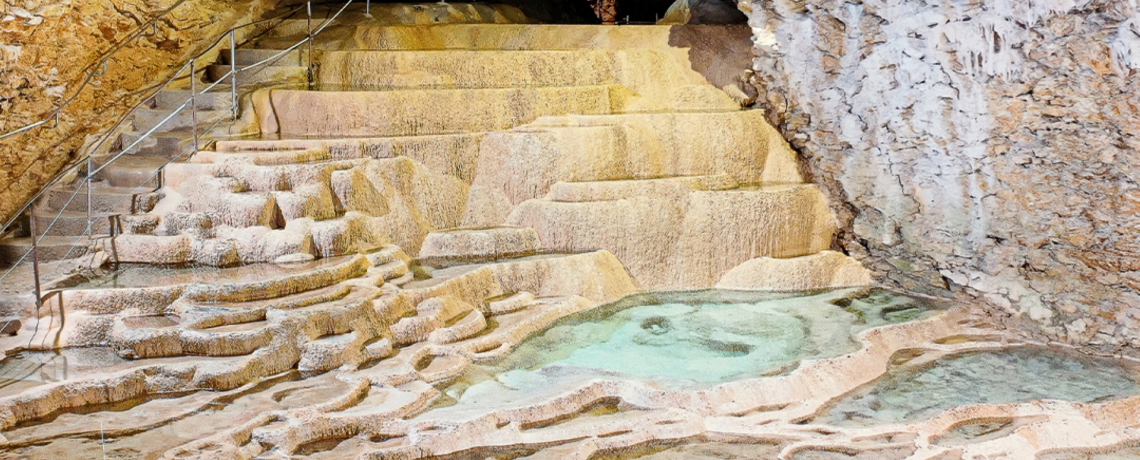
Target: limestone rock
{"points": [[477, 244], [703, 12], [524, 164], [982, 144], [687, 240], [824, 270]]}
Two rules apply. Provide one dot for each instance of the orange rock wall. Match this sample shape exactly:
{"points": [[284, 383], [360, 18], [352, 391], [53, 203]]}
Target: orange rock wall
{"points": [[48, 47]]}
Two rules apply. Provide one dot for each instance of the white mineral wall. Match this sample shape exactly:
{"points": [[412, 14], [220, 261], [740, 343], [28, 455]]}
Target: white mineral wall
{"points": [[980, 148]]}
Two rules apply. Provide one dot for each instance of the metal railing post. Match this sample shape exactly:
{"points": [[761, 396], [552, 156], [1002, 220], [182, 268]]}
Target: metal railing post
{"points": [[194, 103], [94, 168], [309, 27], [88, 226], [233, 75], [35, 256]]}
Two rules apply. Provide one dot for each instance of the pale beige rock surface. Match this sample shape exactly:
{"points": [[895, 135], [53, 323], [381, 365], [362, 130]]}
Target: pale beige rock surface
{"points": [[523, 164], [489, 243], [826, 269], [305, 295], [688, 239]]}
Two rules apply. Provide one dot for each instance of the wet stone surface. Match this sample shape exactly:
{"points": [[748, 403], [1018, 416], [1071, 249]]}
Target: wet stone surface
{"points": [[27, 369], [910, 393]]}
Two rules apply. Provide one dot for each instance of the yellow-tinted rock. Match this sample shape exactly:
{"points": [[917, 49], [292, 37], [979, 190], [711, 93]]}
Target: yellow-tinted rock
{"points": [[480, 243], [523, 164], [658, 80], [667, 242], [827, 269], [674, 187], [418, 112]]}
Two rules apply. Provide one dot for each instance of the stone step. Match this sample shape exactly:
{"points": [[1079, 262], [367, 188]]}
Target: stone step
{"points": [[544, 37], [450, 154], [146, 119], [613, 190], [739, 144], [688, 241], [246, 283], [422, 112], [104, 199], [452, 247], [71, 223], [261, 75], [304, 299], [218, 98], [247, 287], [49, 248], [251, 56], [468, 69], [653, 74], [133, 171], [165, 144]]}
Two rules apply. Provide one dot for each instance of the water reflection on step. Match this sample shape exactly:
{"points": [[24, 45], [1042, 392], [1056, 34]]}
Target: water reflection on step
{"points": [[147, 430], [143, 275], [27, 369]]}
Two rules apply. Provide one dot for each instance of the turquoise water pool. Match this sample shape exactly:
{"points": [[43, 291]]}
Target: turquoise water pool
{"points": [[686, 340]]}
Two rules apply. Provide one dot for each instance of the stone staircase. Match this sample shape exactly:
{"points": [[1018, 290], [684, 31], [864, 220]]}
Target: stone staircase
{"points": [[483, 140], [442, 193], [127, 185], [415, 131]]}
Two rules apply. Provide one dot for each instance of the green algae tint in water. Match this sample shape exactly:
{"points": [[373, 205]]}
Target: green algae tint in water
{"points": [[984, 377], [696, 339]]}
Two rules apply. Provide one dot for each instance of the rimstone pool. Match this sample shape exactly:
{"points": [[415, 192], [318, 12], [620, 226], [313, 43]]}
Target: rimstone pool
{"points": [[689, 340], [684, 341], [377, 230], [920, 390], [658, 355], [712, 374]]}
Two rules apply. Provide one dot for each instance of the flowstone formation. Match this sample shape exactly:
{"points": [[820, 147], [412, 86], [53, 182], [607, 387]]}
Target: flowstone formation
{"points": [[984, 149], [449, 247]]}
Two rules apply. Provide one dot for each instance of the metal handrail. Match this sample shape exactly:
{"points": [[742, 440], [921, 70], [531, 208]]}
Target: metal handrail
{"points": [[101, 62], [191, 101], [64, 172]]}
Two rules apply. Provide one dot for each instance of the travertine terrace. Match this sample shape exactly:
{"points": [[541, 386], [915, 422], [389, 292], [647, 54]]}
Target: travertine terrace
{"points": [[313, 285]]}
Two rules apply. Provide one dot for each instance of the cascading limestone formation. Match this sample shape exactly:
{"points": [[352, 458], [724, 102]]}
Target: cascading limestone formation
{"points": [[442, 194]]}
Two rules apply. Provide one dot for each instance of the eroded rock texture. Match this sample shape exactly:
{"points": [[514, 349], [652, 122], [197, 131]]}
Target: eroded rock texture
{"points": [[981, 148], [47, 48]]}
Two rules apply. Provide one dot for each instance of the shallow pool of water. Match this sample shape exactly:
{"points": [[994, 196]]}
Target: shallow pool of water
{"points": [[690, 340], [27, 369], [144, 275], [1023, 374]]}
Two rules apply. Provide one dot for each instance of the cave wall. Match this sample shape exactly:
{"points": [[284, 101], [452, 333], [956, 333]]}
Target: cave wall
{"points": [[982, 149], [47, 47]]}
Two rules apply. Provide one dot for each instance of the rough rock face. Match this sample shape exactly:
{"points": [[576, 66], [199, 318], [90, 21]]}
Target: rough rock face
{"points": [[48, 47], [981, 148], [703, 12]]}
